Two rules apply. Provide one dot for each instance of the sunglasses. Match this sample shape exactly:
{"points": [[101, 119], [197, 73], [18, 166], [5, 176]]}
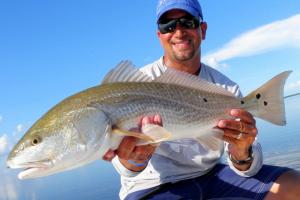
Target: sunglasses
{"points": [[169, 25]]}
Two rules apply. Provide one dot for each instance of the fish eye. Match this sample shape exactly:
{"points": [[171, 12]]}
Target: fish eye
{"points": [[36, 140]]}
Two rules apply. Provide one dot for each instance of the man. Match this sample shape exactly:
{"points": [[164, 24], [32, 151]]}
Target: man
{"points": [[183, 169]]}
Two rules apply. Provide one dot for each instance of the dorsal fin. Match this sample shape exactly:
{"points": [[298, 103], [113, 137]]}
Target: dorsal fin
{"points": [[125, 71], [173, 76]]}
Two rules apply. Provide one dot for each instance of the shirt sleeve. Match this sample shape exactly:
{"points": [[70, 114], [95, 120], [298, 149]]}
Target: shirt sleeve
{"points": [[255, 165]]}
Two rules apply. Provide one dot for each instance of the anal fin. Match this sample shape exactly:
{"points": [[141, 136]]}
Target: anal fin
{"points": [[212, 142]]}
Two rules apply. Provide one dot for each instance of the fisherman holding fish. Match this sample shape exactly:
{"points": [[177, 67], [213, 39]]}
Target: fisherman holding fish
{"points": [[186, 168], [166, 126]]}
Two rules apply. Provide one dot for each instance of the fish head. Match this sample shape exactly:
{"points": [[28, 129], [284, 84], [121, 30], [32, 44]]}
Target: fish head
{"points": [[34, 153], [56, 144]]}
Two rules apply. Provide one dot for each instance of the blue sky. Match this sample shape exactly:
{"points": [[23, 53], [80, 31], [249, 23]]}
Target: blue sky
{"points": [[53, 48]]}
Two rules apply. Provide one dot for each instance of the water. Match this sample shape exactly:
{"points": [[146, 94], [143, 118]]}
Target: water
{"points": [[91, 182], [281, 146]]}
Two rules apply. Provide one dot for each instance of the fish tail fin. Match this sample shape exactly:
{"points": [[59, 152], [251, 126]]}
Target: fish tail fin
{"points": [[267, 102]]}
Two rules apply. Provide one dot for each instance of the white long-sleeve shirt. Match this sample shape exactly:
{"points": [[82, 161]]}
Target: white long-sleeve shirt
{"points": [[182, 159]]}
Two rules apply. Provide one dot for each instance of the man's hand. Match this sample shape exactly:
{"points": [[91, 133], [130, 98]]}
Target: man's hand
{"points": [[240, 134], [128, 153]]}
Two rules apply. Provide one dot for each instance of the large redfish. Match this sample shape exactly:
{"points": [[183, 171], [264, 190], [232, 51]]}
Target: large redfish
{"points": [[80, 130]]}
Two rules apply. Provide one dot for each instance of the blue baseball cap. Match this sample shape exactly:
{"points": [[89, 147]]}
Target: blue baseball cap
{"points": [[191, 6]]}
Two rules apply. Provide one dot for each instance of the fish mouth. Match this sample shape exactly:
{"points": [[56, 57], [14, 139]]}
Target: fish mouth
{"points": [[29, 172], [30, 169]]}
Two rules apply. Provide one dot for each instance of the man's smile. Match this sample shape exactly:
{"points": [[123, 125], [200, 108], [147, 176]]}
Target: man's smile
{"points": [[182, 44]]}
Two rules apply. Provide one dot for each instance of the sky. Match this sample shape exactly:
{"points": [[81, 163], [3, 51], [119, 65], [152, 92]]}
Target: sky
{"points": [[51, 49]]}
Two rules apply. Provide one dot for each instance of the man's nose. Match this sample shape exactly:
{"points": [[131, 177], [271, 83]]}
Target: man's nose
{"points": [[179, 30]]}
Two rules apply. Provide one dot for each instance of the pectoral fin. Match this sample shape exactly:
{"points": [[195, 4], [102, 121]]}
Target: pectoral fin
{"points": [[151, 134], [143, 137], [156, 132]]}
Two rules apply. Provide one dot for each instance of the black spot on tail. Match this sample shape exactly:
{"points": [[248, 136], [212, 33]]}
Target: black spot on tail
{"points": [[265, 103], [258, 96], [204, 99]]}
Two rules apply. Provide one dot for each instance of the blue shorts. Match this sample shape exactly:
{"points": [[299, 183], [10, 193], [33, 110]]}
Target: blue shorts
{"points": [[219, 183]]}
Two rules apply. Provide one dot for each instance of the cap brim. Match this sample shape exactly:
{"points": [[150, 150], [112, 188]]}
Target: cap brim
{"points": [[185, 8]]}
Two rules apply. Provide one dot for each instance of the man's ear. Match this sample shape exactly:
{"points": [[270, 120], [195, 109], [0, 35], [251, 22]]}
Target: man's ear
{"points": [[158, 33], [203, 27]]}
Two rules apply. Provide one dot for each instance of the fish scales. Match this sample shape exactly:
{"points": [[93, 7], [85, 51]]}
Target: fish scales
{"points": [[176, 104]]}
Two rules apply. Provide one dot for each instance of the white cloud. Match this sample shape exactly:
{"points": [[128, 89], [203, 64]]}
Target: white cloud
{"points": [[294, 85], [19, 128], [3, 144], [283, 33]]}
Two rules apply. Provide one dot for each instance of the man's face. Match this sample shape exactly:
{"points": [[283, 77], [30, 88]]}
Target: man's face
{"points": [[182, 44]]}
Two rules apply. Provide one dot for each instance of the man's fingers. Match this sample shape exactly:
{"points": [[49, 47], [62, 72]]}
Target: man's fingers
{"points": [[238, 126], [146, 120], [243, 115], [128, 149], [155, 119]]}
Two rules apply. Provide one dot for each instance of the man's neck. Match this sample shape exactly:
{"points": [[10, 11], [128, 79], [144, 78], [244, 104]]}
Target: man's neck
{"points": [[191, 66]]}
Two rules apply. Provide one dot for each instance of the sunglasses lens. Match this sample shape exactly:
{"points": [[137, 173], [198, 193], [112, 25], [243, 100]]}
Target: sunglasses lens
{"points": [[189, 23], [169, 25]]}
